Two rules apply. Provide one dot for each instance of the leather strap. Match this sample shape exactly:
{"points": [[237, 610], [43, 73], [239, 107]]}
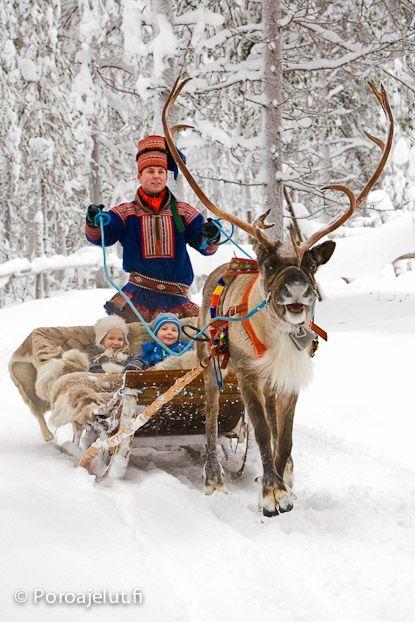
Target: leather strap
{"points": [[157, 285], [260, 349], [319, 331]]}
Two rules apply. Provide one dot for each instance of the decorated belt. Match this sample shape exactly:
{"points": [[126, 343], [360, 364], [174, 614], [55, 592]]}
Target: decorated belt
{"points": [[157, 285]]}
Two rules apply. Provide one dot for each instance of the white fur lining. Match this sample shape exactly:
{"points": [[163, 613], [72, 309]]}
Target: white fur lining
{"points": [[62, 411], [188, 360], [112, 368], [75, 360], [46, 376]]}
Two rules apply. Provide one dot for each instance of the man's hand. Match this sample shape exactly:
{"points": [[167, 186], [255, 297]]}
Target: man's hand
{"points": [[210, 231], [91, 212]]}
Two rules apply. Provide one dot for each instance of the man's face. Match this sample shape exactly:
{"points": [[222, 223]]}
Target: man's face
{"points": [[153, 179]]}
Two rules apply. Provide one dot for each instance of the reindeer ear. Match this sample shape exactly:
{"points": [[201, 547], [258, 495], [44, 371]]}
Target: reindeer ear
{"points": [[322, 253]]}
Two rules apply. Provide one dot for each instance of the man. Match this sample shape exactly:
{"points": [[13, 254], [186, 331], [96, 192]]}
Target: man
{"points": [[154, 230]]}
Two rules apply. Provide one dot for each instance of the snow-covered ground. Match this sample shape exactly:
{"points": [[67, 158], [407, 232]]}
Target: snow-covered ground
{"points": [[345, 553]]}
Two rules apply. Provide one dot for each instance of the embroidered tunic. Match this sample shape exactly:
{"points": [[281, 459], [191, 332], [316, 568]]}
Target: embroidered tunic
{"points": [[153, 247]]}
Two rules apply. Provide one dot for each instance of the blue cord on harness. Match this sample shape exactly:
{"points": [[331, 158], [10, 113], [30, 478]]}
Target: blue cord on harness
{"points": [[102, 219], [228, 237]]}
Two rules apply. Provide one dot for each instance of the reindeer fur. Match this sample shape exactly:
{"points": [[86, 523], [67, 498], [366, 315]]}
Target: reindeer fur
{"points": [[269, 385]]}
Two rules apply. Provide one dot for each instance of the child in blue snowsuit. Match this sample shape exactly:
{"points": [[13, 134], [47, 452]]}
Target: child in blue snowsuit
{"points": [[167, 327]]}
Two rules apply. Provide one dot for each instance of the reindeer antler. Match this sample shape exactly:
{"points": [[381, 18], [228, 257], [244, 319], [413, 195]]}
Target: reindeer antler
{"points": [[301, 248], [261, 224], [168, 133]]}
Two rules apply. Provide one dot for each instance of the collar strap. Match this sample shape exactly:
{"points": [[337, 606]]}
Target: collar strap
{"points": [[259, 347]]}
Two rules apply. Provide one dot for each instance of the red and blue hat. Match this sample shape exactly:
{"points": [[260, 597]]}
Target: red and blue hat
{"points": [[153, 151]]}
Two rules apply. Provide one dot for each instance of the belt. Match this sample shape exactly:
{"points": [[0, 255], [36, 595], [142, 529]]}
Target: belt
{"points": [[157, 285]]}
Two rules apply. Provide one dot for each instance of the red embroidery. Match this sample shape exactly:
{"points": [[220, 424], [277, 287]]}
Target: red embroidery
{"points": [[94, 233], [188, 212], [125, 210], [153, 248]]}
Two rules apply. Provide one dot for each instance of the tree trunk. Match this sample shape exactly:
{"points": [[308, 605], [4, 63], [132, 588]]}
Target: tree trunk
{"points": [[272, 116], [95, 192], [167, 77], [94, 175], [39, 250]]}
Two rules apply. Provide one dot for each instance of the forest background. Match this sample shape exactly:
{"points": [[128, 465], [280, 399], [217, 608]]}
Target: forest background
{"points": [[279, 97]]}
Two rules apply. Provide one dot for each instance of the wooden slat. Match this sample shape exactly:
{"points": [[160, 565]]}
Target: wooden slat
{"points": [[185, 414]]}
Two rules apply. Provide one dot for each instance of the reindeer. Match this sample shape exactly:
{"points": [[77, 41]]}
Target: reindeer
{"points": [[270, 383]]}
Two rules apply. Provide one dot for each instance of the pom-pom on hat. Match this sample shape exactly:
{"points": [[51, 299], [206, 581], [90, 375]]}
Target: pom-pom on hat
{"points": [[166, 318], [152, 151], [105, 324]]}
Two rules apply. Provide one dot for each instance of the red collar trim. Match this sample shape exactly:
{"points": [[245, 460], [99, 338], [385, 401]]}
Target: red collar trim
{"points": [[155, 203]]}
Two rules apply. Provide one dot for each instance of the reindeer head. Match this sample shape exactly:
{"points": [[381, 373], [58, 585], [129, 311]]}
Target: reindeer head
{"points": [[292, 289], [288, 269]]}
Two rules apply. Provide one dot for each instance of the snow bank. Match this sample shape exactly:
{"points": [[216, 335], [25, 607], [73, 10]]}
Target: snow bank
{"points": [[85, 257], [368, 252]]}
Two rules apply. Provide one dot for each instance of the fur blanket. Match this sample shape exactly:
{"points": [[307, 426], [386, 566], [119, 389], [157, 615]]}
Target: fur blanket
{"points": [[48, 354], [75, 396]]}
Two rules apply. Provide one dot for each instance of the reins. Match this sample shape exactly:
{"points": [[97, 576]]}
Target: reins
{"points": [[102, 219]]}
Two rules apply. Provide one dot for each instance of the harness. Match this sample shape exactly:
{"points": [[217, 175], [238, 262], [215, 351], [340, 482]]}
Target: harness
{"points": [[219, 339]]}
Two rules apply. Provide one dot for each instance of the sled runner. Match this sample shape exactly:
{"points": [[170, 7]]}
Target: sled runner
{"points": [[178, 423]]}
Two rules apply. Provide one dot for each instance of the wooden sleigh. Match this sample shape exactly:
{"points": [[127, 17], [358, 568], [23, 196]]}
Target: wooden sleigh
{"points": [[180, 422]]}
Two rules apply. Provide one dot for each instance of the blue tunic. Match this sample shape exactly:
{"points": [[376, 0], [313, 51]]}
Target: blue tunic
{"points": [[153, 246]]}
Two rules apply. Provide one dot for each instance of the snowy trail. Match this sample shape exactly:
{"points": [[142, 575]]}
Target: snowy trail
{"points": [[346, 551]]}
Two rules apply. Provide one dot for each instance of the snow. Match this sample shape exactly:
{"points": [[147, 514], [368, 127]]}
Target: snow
{"points": [[380, 200], [86, 256], [42, 148], [28, 70], [369, 252], [163, 45], [201, 17], [345, 552], [9, 49], [131, 21], [400, 153]]}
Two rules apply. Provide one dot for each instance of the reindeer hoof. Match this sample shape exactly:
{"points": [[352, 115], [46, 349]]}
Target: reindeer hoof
{"points": [[269, 514], [285, 504], [47, 435], [274, 498], [212, 487], [213, 477]]}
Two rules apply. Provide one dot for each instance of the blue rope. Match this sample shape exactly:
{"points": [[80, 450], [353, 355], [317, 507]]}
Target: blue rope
{"points": [[206, 242], [102, 219], [228, 237]]}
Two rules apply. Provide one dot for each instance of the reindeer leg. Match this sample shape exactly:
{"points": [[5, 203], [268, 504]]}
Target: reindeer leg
{"points": [[274, 497], [285, 409], [213, 472]]}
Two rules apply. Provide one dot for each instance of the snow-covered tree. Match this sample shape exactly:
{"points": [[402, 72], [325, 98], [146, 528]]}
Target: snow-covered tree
{"points": [[279, 97]]}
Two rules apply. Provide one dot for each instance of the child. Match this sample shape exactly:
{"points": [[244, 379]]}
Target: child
{"points": [[111, 337], [167, 327]]}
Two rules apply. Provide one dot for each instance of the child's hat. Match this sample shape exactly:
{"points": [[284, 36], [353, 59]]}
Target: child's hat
{"points": [[166, 318], [105, 324]]}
